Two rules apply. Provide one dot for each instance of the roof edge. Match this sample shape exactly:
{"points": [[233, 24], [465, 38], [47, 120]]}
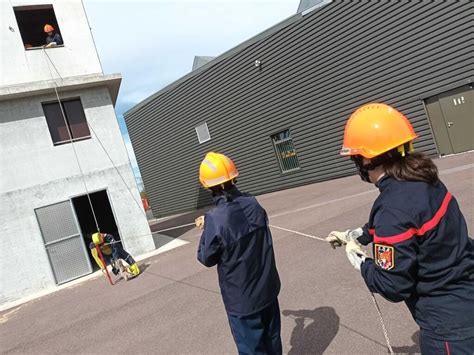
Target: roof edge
{"points": [[217, 59], [111, 81]]}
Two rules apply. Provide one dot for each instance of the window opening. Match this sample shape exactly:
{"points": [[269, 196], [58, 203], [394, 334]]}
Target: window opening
{"points": [[32, 21], [285, 151], [202, 132], [75, 120]]}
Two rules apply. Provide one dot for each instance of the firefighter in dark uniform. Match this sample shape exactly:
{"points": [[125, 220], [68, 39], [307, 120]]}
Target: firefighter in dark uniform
{"points": [[422, 252], [237, 239]]}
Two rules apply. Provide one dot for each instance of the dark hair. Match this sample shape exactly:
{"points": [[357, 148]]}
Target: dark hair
{"points": [[413, 167], [220, 189]]}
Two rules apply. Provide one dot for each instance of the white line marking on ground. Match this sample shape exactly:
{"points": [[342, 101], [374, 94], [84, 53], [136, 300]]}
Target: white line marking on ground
{"points": [[456, 169], [296, 232], [323, 203], [442, 172], [4, 318]]}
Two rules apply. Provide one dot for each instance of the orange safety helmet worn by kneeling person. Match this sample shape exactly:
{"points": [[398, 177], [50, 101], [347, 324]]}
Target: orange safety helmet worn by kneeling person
{"points": [[216, 169], [374, 129], [48, 28]]}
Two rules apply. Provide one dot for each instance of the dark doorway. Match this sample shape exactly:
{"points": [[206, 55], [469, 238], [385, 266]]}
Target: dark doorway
{"points": [[31, 21], [103, 212]]}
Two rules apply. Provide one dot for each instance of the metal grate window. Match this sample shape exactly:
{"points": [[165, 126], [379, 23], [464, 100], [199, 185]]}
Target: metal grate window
{"points": [[285, 151], [203, 133]]}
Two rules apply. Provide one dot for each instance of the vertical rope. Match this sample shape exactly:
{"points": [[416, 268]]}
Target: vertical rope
{"points": [[100, 143], [70, 138], [384, 329]]}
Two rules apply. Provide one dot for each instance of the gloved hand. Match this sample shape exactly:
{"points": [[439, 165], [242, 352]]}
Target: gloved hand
{"points": [[355, 254], [338, 239], [199, 222]]}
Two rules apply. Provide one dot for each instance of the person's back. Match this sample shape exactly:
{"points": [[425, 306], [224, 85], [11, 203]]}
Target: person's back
{"points": [[248, 276], [237, 239], [444, 258]]}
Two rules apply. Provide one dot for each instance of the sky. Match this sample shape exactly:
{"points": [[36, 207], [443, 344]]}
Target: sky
{"points": [[152, 43]]}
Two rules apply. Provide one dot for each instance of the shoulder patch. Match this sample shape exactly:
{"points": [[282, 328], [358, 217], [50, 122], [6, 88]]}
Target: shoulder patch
{"points": [[384, 256]]}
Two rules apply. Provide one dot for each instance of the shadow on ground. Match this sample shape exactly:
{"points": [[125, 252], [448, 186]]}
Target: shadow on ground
{"points": [[315, 337], [411, 349]]}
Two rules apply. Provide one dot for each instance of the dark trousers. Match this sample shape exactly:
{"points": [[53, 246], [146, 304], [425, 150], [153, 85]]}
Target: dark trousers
{"points": [[430, 346], [119, 253], [258, 333]]}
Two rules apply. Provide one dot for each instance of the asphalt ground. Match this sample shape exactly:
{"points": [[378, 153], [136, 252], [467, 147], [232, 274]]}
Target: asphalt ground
{"points": [[175, 306]]}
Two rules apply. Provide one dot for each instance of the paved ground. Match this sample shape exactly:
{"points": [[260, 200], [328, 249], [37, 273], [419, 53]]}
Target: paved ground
{"points": [[175, 307]]}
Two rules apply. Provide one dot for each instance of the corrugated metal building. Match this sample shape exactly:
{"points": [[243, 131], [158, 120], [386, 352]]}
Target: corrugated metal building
{"points": [[277, 104]]}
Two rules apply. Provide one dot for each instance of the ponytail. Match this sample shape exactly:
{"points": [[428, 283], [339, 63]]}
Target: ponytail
{"points": [[413, 167]]}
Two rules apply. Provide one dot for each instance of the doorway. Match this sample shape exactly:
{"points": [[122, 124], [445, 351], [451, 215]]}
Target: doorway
{"points": [[104, 214], [452, 120]]}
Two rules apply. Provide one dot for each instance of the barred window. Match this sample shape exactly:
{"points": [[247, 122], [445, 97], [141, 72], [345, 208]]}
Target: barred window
{"points": [[285, 151]]}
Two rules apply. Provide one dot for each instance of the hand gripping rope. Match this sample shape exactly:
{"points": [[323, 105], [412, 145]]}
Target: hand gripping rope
{"points": [[374, 300]]}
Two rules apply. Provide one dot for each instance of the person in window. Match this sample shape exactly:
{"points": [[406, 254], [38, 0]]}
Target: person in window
{"points": [[422, 252], [237, 238], [53, 39], [113, 254]]}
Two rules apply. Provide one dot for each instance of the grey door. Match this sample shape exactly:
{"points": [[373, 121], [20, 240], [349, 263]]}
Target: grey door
{"points": [[63, 242], [452, 119]]}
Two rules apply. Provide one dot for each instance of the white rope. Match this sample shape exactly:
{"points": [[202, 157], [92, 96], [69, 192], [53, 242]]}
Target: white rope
{"points": [[140, 207], [299, 233], [70, 136], [382, 323]]}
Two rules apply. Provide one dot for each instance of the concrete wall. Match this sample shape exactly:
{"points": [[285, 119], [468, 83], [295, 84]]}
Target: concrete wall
{"points": [[77, 57], [35, 173]]}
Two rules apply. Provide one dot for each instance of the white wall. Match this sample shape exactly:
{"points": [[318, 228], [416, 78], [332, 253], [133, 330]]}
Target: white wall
{"points": [[77, 57], [27, 145], [35, 173]]}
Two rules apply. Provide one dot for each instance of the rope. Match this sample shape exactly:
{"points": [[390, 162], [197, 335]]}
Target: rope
{"points": [[382, 323], [379, 312], [70, 136], [100, 143]]}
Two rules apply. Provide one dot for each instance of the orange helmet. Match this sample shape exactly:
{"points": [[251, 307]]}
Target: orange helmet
{"points": [[374, 129], [48, 28], [216, 169]]}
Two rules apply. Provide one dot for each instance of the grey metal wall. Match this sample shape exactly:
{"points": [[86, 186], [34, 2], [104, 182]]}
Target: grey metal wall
{"points": [[315, 71]]}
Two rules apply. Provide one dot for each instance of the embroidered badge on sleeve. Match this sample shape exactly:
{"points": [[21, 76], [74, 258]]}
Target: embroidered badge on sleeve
{"points": [[385, 256]]}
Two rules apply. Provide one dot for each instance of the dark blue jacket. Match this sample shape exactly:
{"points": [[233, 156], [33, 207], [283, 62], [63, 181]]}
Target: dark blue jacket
{"points": [[54, 38], [423, 256], [237, 238]]}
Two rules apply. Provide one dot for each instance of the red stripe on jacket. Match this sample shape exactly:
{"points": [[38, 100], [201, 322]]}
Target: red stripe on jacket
{"points": [[432, 223]]}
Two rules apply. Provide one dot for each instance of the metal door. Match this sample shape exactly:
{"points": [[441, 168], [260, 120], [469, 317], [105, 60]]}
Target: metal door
{"points": [[63, 242], [458, 113], [452, 120]]}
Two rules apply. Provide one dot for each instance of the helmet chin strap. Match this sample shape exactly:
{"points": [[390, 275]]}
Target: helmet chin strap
{"points": [[363, 169]]}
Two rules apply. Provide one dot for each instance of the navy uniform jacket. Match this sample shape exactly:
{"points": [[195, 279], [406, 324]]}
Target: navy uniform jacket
{"points": [[423, 256], [54, 38], [237, 238]]}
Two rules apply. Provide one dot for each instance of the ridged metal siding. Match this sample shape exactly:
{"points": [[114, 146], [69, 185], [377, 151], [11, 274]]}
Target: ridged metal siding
{"points": [[315, 71]]}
